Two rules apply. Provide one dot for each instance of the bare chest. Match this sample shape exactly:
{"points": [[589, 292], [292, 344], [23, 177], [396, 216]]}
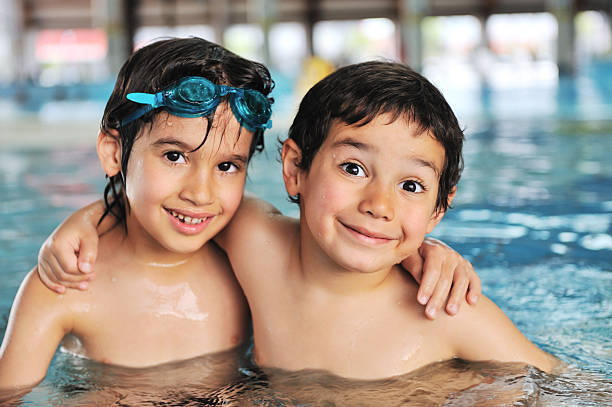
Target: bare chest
{"points": [[147, 326], [349, 341]]}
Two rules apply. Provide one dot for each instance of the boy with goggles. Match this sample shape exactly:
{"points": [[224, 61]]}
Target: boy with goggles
{"points": [[176, 170], [195, 96], [181, 193]]}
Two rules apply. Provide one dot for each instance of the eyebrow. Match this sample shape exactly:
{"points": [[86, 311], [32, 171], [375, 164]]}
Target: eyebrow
{"points": [[350, 142], [239, 157], [173, 142], [425, 163], [186, 147]]}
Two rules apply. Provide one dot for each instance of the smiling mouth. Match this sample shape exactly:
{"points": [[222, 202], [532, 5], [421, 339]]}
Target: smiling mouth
{"points": [[188, 220], [366, 234]]}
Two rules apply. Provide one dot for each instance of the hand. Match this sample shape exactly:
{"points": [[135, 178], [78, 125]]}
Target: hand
{"points": [[66, 258], [440, 270]]}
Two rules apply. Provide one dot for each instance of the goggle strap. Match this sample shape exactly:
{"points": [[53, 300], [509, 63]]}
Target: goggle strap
{"points": [[224, 90], [136, 114]]}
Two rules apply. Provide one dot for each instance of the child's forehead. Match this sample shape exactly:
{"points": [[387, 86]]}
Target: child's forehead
{"points": [[379, 126], [224, 131], [398, 139]]}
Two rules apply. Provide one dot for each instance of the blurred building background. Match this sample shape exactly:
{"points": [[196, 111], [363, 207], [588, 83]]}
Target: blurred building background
{"points": [[58, 52]]}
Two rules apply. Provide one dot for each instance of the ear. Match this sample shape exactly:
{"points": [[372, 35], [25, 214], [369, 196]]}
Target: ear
{"points": [[439, 214], [291, 156], [109, 151]]}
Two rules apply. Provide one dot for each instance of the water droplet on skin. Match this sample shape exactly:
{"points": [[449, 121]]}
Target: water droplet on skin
{"points": [[413, 346], [169, 123]]}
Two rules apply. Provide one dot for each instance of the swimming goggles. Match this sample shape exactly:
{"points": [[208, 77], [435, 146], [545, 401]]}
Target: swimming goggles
{"points": [[195, 96]]}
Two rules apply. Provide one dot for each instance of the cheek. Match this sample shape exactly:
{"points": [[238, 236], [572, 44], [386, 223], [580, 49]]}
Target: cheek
{"points": [[332, 197], [326, 198], [231, 195], [144, 182], [416, 221]]}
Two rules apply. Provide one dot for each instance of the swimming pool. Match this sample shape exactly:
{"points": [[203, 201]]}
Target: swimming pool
{"points": [[533, 213]]}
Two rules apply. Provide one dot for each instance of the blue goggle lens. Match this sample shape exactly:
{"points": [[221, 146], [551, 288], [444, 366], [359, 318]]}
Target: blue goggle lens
{"points": [[253, 104], [196, 92]]}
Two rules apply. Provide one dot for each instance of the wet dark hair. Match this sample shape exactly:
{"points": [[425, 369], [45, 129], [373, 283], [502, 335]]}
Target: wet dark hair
{"points": [[152, 69], [356, 94]]}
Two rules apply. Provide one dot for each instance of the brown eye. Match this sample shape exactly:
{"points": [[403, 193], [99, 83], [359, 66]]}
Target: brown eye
{"points": [[353, 169], [412, 186], [174, 156], [227, 167]]}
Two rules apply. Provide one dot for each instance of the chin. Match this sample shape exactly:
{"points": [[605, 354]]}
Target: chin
{"points": [[186, 248], [365, 266]]}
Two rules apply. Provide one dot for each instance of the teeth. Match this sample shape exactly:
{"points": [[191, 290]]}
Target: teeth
{"points": [[187, 219]]}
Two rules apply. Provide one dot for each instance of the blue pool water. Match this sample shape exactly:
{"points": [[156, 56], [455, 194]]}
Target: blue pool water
{"points": [[533, 214]]}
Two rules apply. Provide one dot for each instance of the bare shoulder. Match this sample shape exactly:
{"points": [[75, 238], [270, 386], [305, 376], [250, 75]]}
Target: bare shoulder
{"points": [[38, 320], [33, 289], [484, 332], [36, 300], [256, 228]]}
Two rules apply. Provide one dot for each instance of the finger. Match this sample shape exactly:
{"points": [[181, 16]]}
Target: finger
{"points": [[82, 286], [431, 274], [458, 290], [438, 298], [414, 266], [43, 273], [475, 288], [88, 252], [52, 269], [62, 258], [68, 279]]}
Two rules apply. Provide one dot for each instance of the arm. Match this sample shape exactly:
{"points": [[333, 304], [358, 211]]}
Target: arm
{"points": [[484, 332], [67, 256], [36, 325], [439, 270], [253, 215], [257, 230]]}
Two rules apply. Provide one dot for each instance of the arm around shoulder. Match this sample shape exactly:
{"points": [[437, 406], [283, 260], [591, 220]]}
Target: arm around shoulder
{"points": [[36, 325], [484, 332], [256, 221], [257, 237]]}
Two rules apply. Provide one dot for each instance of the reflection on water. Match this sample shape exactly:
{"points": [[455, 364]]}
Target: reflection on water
{"points": [[215, 381], [76, 381]]}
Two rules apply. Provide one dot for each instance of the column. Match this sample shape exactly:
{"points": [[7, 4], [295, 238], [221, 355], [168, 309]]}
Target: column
{"points": [[266, 15], [109, 14], [219, 18], [411, 14], [564, 12]]}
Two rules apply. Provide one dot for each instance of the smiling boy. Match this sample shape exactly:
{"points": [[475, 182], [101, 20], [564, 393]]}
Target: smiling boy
{"points": [[166, 291], [373, 159]]}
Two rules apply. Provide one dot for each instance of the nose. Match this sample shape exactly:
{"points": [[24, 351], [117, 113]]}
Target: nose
{"points": [[377, 201], [198, 188]]}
